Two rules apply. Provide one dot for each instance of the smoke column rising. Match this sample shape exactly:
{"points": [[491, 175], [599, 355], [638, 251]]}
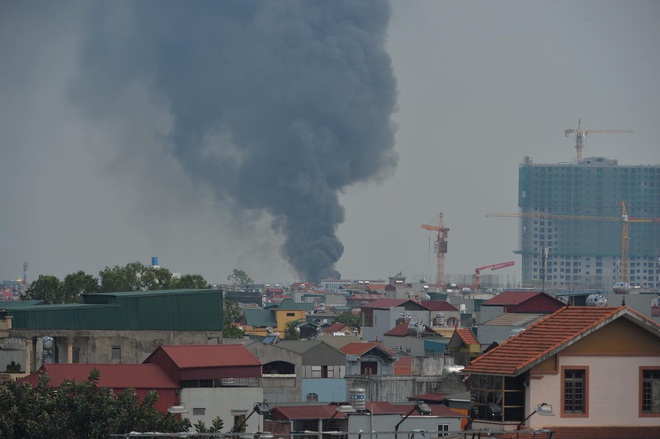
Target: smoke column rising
{"points": [[277, 105]]}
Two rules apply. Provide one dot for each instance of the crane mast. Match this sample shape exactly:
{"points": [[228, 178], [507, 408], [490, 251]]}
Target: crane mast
{"points": [[581, 134], [440, 246]]}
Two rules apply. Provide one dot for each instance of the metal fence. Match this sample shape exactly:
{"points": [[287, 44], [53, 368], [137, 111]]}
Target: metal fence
{"points": [[410, 434]]}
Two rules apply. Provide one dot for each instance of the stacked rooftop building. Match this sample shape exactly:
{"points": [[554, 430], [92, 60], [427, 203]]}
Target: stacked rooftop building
{"points": [[571, 223]]}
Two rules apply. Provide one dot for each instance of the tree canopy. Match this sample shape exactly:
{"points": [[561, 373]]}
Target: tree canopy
{"points": [[349, 318], [134, 276], [239, 278], [79, 410]]}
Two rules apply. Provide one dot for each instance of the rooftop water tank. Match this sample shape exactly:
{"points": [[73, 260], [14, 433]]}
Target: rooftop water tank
{"points": [[357, 396], [596, 300]]}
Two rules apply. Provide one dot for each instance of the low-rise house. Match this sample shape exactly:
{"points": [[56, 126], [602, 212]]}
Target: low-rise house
{"points": [[501, 328], [274, 318], [323, 369], [142, 378], [380, 316], [282, 371], [464, 346], [595, 369], [534, 302], [370, 358], [412, 338], [215, 381]]}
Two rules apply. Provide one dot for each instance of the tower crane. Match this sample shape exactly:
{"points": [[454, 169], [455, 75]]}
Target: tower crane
{"points": [[440, 246], [477, 271], [624, 219], [581, 134]]}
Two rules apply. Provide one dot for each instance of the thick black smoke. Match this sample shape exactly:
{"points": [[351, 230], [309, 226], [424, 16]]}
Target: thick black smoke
{"points": [[279, 105]]}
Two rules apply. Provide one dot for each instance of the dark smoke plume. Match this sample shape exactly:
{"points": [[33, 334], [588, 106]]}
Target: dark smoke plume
{"points": [[279, 105]]}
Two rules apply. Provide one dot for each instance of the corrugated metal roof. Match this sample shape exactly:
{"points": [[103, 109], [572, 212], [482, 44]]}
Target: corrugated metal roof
{"points": [[182, 310], [439, 305], [306, 412], [514, 319], [548, 336], [114, 376], [385, 303], [515, 297], [196, 356], [260, 318], [290, 305]]}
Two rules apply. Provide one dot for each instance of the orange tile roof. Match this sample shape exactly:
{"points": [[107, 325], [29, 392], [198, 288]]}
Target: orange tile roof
{"points": [[361, 348], [466, 335], [548, 336]]}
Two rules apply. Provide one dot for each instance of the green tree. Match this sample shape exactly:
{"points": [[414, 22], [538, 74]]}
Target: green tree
{"points": [[349, 318], [47, 288], [13, 367], [291, 331], [239, 278], [232, 314], [79, 410], [189, 281], [75, 284], [134, 276]]}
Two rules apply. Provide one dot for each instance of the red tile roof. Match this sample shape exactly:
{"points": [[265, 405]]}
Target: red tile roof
{"points": [[336, 327], [187, 356], [361, 348], [114, 376], [402, 330], [403, 366], [439, 305], [514, 297], [385, 303], [436, 410], [548, 336], [433, 397], [466, 335]]}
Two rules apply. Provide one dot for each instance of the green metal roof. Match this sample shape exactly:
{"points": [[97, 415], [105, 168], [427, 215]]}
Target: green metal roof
{"points": [[290, 305], [179, 310], [260, 318]]}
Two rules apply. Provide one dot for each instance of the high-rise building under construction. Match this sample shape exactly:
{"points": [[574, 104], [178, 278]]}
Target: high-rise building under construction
{"points": [[589, 224]]}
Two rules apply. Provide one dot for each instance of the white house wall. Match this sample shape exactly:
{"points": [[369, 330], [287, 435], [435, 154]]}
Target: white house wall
{"points": [[225, 402]]}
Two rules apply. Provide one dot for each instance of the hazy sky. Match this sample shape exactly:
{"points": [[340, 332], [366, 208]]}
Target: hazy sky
{"points": [[479, 85]]}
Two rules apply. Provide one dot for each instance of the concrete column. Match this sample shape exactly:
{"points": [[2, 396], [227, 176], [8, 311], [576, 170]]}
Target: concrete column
{"points": [[28, 355], [69, 350]]}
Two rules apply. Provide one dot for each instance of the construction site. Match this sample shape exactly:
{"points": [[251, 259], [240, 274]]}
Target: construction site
{"points": [[587, 224]]}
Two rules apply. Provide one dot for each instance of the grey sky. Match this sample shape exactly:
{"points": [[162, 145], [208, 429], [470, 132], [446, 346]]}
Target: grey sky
{"points": [[480, 85]]}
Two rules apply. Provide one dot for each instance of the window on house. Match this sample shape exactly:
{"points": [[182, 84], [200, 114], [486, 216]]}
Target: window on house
{"points": [[316, 372], [199, 411], [312, 397], [574, 401], [327, 372], [116, 353], [291, 314], [650, 392], [239, 422], [443, 430]]}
